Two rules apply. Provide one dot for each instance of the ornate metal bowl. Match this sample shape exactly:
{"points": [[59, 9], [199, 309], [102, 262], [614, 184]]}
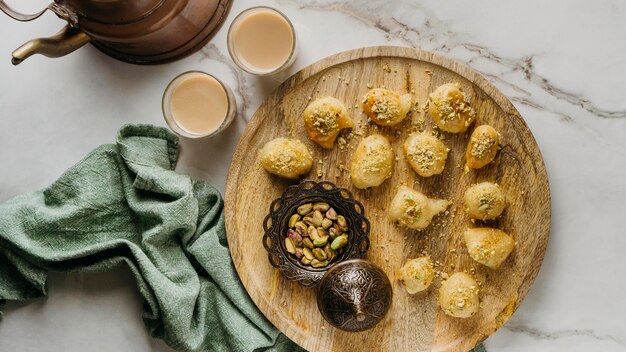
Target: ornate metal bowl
{"points": [[276, 224], [354, 295]]}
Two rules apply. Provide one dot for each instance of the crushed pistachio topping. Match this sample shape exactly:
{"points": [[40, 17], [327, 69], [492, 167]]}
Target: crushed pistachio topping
{"points": [[325, 121], [461, 297], [374, 160], [485, 249], [286, 160], [453, 109], [425, 156], [384, 109], [412, 210], [482, 252], [481, 145], [423, 267], [485, 202]]}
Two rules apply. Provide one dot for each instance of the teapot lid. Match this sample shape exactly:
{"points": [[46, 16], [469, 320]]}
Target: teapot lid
{"points": [[113, 11]]}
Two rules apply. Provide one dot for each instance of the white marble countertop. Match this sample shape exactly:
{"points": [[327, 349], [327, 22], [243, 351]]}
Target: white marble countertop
{"points": [[561, 62]]}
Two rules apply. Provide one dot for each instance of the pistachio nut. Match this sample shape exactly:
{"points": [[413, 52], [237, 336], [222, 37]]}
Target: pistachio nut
{"points": [[317, 218], [319, 264], [332, 232], [300, 227], [291, 248], [308, 243], [305, 261], [313, 234], [328, 251], [331, 214], [321, 241], [295, 237], [308, 220], [305, 209], [327, 223], [339, 242], [319, 254], [341, 221], [322, 207], [293, 220], [307, 253], [299, 254]]}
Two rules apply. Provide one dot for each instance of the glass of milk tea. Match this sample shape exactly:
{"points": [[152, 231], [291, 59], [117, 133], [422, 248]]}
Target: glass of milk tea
{"points": [[262, 41], [198, 105]]}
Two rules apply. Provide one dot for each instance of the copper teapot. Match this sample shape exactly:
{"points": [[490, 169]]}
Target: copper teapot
{"points": [[135, 31]]}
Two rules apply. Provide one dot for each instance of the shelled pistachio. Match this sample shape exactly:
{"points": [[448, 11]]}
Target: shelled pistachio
{"points": [[293, 220], [316, 234], [305, 209]]}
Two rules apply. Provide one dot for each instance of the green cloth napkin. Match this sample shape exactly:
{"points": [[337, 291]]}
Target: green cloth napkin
{"points": [[124, 204]]}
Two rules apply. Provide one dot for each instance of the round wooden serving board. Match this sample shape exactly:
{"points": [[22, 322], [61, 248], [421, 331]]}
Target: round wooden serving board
{"points": [[414, 323]]}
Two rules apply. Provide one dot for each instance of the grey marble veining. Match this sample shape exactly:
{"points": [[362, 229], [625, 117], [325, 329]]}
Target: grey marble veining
{"points": [[560, 62]]}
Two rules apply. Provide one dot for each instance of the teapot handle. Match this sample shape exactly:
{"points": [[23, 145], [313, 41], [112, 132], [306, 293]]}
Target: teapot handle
{"points": [[18, 15]]}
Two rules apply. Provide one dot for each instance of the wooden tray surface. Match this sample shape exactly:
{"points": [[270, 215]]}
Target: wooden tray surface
{"points": [[414, 323]]}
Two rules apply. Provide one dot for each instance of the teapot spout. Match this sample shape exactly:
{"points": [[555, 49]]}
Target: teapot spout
{"points": [[60, 44]]}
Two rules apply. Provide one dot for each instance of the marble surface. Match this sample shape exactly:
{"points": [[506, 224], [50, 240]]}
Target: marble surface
{"points": [[561, 62]]}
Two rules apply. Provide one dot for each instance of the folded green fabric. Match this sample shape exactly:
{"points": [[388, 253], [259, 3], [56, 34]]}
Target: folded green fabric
{"points": [[124, 204]]}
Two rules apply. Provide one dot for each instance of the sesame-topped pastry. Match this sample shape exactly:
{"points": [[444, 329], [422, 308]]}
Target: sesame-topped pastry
{"points": [[458, 296], [286, 157], [416, 274], [384, 107], [450, 108], [426, 154], [482, 147], [372, 162], [484, 201], [488, 246], [324, 119], [413, 209]]}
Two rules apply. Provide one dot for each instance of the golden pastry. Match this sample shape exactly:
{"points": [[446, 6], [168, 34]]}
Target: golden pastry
{"points": [[416, 274], [488, 246], [458, 296], [484, 201], [324, 120], [384, 107], [482, 147], [450, 108], [286, 157], [413, 209], [372, 162], [426, 154]]}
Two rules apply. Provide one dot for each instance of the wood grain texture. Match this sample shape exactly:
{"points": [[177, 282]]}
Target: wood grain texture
{"points": [[414, 323]]}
